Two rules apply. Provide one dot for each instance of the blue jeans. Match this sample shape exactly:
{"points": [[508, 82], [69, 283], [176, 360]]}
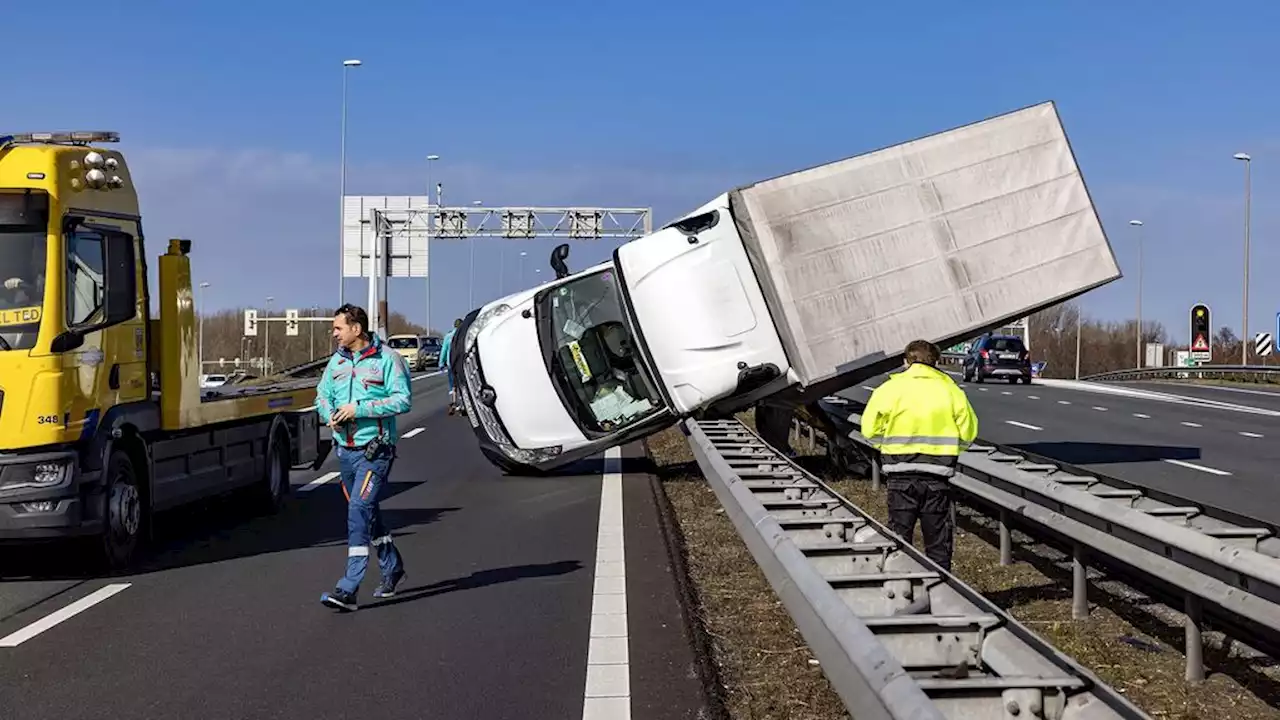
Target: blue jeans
{"points": [[363, 482]]}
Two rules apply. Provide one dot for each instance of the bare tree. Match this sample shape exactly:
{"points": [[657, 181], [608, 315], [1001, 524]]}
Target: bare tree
{"points": [[1105, 346]]}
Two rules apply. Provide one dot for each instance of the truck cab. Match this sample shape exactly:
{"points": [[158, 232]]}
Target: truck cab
{"points": [[572, 378], [596, 382]]}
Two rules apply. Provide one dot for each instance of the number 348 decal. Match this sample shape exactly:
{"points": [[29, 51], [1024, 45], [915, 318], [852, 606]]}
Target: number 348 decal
{"points": [[49, 419]]}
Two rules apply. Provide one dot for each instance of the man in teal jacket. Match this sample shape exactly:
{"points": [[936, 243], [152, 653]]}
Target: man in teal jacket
{"points": [[363, 389], [446, 349]]}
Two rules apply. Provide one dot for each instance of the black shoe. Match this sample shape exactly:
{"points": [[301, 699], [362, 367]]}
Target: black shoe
{"points": [[344, 601], [387, 588]]}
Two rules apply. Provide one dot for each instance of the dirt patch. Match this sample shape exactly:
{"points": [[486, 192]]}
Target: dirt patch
{"points": [[766, 671]]}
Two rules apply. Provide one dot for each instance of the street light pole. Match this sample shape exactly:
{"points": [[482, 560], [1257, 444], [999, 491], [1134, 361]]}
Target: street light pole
{"points": [[1079, 312], [342, 199], [266, 335], [1138, 224], [1244, 321], [203, 285], [431, 159], [471, 274]]}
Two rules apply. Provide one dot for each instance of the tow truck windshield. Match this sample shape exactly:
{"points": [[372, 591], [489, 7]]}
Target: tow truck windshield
{"points": [[23, 243], [591, 356]]}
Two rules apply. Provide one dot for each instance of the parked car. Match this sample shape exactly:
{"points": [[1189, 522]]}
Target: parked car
{"points": [[1000, 357]]}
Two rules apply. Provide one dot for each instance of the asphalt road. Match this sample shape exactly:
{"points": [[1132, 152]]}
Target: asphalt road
{"points": [[495, 619], [1204, 453], [1257, 397]]}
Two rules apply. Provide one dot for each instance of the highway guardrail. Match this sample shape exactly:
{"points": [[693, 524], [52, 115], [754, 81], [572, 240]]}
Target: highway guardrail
{"points": [[1247, 373], [1214, 565], [896, 635]]}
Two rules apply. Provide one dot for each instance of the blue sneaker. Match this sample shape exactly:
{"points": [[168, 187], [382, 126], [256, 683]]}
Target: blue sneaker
{"points": [[343, 601], [387, 588]]}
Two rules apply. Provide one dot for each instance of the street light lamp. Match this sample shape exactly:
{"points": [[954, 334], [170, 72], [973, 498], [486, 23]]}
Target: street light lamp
{"points": [[342, 199], [1244, 322], [1138, 224]]}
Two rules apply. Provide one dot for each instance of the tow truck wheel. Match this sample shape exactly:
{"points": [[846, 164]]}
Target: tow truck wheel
{"points": [[123, 515], [274, 486]]}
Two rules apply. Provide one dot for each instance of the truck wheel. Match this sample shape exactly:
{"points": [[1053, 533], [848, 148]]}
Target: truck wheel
{"points": [[274, 487], [122, 519]]}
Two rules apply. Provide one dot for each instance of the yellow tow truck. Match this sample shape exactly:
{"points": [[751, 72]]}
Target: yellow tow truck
{"points": [[102, 418]]}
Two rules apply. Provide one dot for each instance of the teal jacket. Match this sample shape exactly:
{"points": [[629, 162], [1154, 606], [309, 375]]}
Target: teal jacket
{"points": [[377, 382], [446, 347]]}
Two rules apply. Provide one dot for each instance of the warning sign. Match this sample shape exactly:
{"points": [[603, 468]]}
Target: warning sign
{"points": [[1201, 329]]}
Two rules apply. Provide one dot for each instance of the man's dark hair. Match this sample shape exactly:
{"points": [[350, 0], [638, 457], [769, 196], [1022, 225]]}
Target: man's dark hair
{"points": [[923, 351], [457, 322], [354, 315]]}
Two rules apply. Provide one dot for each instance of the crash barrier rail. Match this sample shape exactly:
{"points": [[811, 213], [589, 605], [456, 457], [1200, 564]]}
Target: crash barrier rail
{"points": [[1246, 373], [1218, 566], [896, 635]]}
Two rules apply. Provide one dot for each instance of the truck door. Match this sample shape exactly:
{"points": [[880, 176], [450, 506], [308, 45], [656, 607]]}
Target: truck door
{"points": [[104, 312]]}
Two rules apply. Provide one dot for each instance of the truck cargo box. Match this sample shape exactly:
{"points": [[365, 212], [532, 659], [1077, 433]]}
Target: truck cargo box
{"points": [[939, 238]]}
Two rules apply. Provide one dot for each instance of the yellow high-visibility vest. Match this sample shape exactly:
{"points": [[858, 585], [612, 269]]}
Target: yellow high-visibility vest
{"points": [[920, 421]]}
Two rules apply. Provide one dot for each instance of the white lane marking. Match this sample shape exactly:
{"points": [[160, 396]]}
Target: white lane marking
{"points": [[1193, 466], [319, 481], [1191, 424], [983, 389], [868, 387], [1250, 434], [428, 375], [1141, 415], [1006, 392], [18, 637], [1158, 396], [1099, 409], [1033, 397], [1064, 402], [413, 432], [608, 688], [1023, 425]]}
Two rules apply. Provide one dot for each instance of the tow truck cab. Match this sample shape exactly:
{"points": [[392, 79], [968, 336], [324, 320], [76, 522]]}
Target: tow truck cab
{"points": [[102, 418]]}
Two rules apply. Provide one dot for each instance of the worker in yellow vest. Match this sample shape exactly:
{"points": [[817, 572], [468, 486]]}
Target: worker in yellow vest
{"points": [[921, 421]]}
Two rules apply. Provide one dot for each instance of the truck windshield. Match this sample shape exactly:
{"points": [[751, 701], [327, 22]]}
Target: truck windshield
{"points": [[22, 266], [591, 355], [400, 343]]}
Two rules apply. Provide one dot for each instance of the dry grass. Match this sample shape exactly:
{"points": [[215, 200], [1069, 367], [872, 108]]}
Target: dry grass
{"points": [[767, 672], [763, 663]]}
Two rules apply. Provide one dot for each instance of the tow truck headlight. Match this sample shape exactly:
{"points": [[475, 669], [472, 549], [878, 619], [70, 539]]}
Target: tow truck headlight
{"points": [[483, 319], [44, 474]]}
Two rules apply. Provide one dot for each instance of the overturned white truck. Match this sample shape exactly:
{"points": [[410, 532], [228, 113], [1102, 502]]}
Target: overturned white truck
{"points": [[790, 288]]}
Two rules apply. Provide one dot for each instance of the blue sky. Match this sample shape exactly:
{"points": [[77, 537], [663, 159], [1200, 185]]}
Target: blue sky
{"points": [[230, 117]]}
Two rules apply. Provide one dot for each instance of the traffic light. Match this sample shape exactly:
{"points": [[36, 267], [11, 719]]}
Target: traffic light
{"points": [[1201, 332], [291, 322], [251, 322]]}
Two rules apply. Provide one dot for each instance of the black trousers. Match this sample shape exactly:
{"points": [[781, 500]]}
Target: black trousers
{"points": [[927, 497]]}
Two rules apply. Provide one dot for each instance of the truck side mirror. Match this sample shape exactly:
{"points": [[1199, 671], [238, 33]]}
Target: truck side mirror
{"points": [[121, 302], [558, 257]]}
